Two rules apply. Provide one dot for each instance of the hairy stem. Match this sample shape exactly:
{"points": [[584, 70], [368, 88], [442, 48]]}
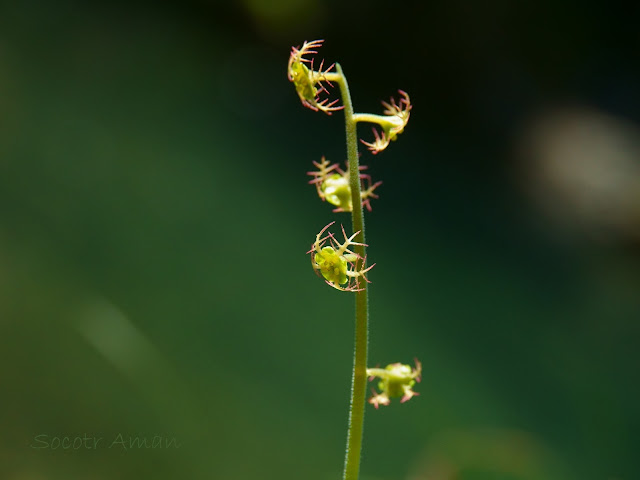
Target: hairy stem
{"points": [[359, 377]]}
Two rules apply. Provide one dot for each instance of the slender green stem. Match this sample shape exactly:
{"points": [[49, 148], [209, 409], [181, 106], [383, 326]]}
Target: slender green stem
{"points": [[359, 378]]}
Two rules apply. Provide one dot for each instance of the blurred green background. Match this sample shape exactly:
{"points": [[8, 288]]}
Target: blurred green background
{"points": [[154, 215]]}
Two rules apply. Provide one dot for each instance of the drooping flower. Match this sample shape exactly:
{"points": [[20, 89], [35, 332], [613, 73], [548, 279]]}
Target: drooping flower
{"points": [[396, 380], [336, 263], [308, 82]]}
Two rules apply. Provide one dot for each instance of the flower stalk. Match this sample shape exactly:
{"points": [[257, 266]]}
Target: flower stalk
{"points": [[343, 265], [359, 376]]}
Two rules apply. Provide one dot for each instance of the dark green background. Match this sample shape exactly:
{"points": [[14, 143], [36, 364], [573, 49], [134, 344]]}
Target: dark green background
{"points": [[154, 216]]}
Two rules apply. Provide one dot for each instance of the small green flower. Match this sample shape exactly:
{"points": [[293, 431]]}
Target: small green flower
{"points": [[332, 265], [308, 81], [332, 185], [396, 117], [336, 263], [396, 380]]}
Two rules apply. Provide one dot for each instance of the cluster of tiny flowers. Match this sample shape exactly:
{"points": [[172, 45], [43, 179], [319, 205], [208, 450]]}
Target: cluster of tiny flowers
{"points": [[307, 81], [340, 266], [332, 185], [395, 119], [396, 380], [336, 263]]}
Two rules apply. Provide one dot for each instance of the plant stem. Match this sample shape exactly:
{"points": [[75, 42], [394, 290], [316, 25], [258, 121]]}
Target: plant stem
{"points": [[359, 377]]}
